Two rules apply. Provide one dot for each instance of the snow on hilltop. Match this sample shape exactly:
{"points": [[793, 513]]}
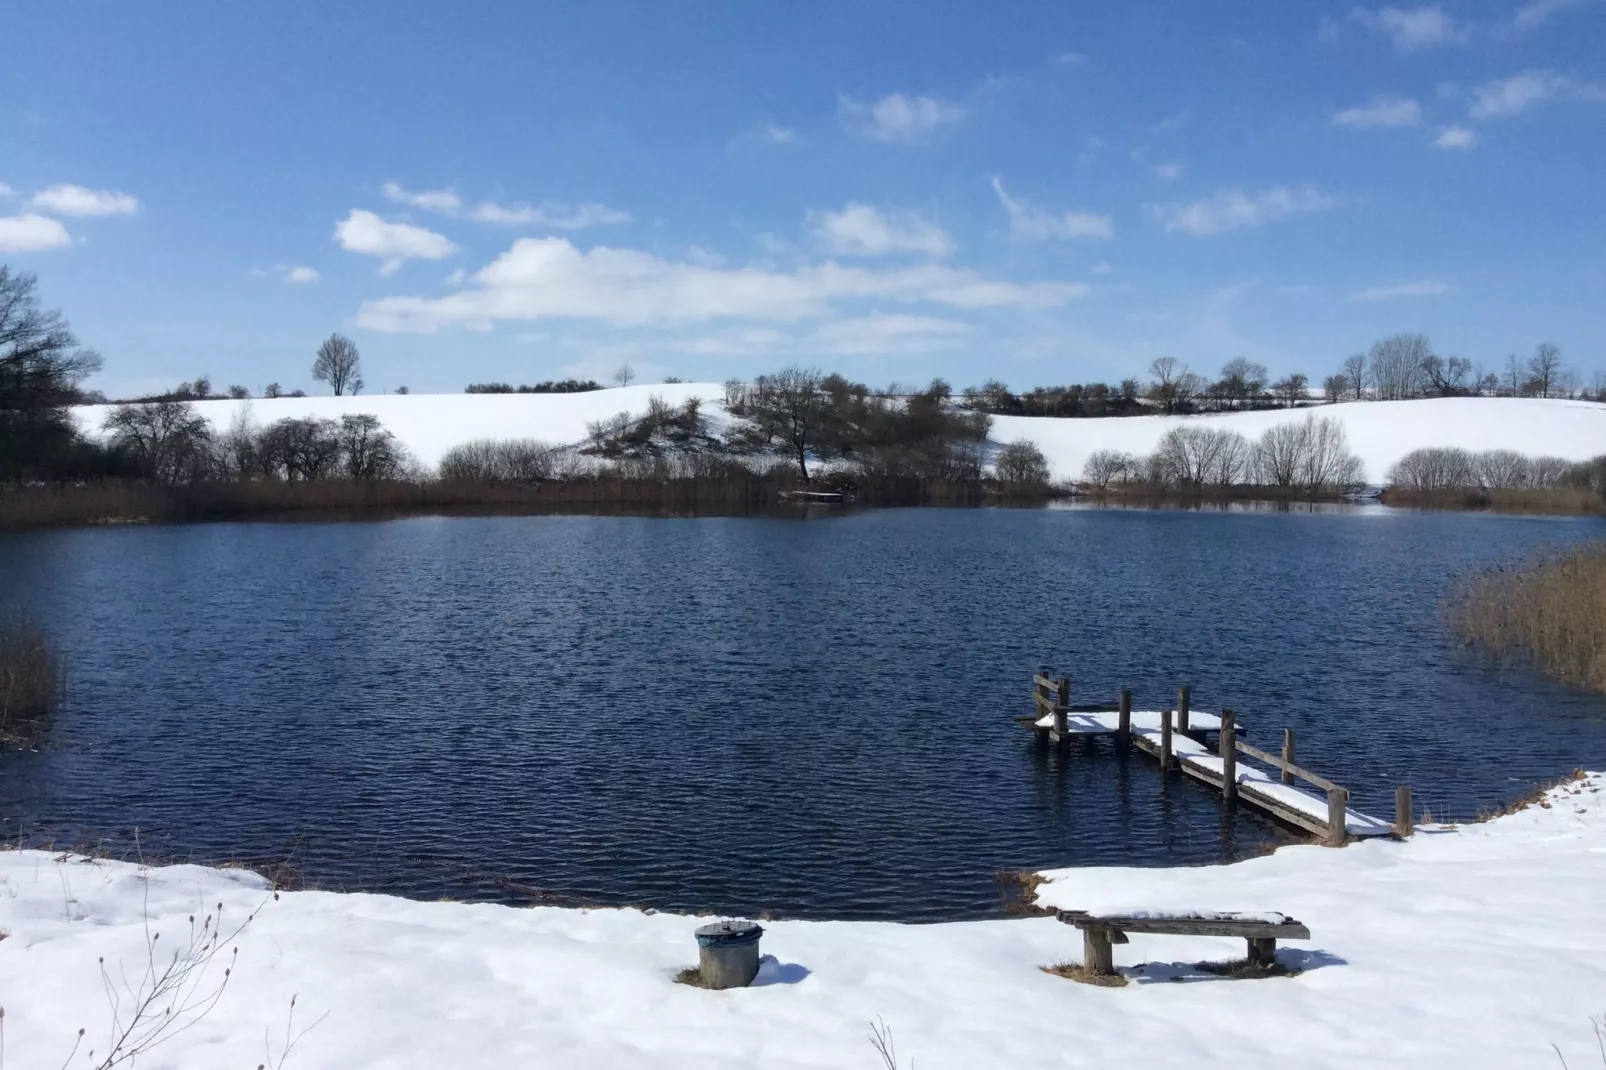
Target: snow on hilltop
{"points": [[1380, 433], [1475, 947]]}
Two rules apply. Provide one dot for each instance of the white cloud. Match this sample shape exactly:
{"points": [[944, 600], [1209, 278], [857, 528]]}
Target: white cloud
{"points": [[888, 334], [1327, 29], [300, 275], [1425, 288], [29, 233], [1033, 223], [1069, 59], [1455, 137], [861, 230], [1102, 268], [1508, 96], [394, 243], [898, 117], [1231, 209], [542, 278], [1169, 172], [1411, 30], [776, 134], [444, 201], [551, 214], [5, 190], [1382, 111], [1539, 11], [738, 342], [67, 199]]}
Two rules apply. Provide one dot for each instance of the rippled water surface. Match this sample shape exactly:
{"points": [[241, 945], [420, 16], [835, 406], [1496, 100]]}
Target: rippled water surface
{"points": [[736, 715]]}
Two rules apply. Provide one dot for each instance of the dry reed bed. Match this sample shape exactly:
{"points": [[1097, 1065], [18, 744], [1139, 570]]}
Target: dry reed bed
{"points": [[32, 679], [1549, 612], [1538, 500]]}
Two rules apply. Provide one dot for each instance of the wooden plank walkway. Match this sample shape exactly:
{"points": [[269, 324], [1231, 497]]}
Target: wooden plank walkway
{"points": [[1178, 738]]}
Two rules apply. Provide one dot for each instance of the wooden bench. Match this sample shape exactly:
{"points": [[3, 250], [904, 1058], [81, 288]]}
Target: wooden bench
{"points": [[1100, 933]]}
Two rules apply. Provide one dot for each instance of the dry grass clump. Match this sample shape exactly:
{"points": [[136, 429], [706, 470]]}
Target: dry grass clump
{"points": [[32, 679], [1550, 613], [692, 976], [1244, 969], [1075, 971], [1018, 889]]}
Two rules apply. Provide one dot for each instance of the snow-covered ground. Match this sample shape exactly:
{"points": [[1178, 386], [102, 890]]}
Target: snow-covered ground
{"points": [[1380, 433], [1471, 947]]}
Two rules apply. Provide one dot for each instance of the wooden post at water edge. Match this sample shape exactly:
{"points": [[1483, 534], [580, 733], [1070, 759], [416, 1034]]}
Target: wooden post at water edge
{"points": [[1183, 695], [1062, 706], [1404, 822], [1123, 730], [1288, 755], [1229, 755], [1165, 742], [1337, 817]]}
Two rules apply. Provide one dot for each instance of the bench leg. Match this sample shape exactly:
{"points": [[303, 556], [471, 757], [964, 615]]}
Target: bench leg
{"points": [[1098, 956], [1262, 950]]}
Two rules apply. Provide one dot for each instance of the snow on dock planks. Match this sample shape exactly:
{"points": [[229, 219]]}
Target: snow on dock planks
{"points": [[1178, 739]]}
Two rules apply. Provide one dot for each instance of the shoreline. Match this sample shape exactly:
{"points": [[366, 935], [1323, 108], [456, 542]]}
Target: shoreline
{"points": [[1487, 984]]}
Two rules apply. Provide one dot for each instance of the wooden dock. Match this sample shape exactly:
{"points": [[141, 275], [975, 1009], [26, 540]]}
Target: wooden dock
{"points": [[1178, 739]]}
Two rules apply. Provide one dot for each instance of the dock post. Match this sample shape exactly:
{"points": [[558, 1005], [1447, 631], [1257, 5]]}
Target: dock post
{"points": [[1039, 691], [1062, 706], [1288, 754], [1229, 755], [1123, 731], [1184, 693], [1337, 817], [1165, 742], [1403, 821]]}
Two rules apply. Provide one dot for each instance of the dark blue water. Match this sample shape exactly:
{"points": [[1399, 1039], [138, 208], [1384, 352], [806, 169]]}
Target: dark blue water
{"points": [[737, 715]]}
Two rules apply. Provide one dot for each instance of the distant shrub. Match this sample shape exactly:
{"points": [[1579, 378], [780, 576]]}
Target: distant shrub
{"points": [[549, 386], [518, 460], [1022, 463], [1104, 467]]}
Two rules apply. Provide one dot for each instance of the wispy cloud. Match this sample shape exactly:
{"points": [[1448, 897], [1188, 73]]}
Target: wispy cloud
{"points": [[1413, 29], [1540, 11], [1034, 223], [1383, 111], [1068, 59], [1168, 172], [300, 275], [898, 117], [393, 243], [551, 214], [1455, 137], [888, 334], [776, 134], [444, 201], [862, 230], [79, 201], [1233, 209], [541, 278], [5, 191], [1510, 96], [29, 233], [1425, 288]]}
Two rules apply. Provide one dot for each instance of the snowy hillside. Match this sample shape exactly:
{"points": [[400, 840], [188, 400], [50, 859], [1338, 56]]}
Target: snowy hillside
{"points": [[1474, 947], [1379, 432]]}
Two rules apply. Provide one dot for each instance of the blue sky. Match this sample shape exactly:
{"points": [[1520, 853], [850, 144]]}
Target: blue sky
{"points": [[1040, 192]]}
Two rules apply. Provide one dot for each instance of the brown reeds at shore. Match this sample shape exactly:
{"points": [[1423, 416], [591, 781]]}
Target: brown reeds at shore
{"points": [[32, 681], [1549, 613], [736, 493], [1556, 501]]}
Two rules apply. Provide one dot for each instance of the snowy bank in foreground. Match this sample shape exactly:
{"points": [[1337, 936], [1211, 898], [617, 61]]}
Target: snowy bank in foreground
{"points": [[1380, 432], [1473, 947]]}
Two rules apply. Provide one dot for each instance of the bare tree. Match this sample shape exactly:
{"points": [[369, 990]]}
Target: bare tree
{"points": [[165, 440], [1104, 467], [369, 451], [1335, 388], [338, 365], [1513, 378], [1544, 368], [1446, 375], [1354, 370], [790, 402], [1396, 365], [1242, 380], [1501, 469], [41, 366], [1435, 469], [1283, 454], [1022, 463], [1174, 387], [1195, 456], [624, 374], [1329, 464], [1292, 389]]}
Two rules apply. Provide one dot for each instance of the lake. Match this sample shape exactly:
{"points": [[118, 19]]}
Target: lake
{"points": [[807, 717]]}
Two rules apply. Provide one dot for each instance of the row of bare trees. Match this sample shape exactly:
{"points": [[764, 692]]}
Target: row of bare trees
{"points": [[1457, 469], [1405, 366], [169, 442], [1311, 455]]}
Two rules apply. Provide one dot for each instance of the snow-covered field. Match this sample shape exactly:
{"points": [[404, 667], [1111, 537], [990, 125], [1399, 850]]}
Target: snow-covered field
{"points": [[1473, 947], [1380, 433]]}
